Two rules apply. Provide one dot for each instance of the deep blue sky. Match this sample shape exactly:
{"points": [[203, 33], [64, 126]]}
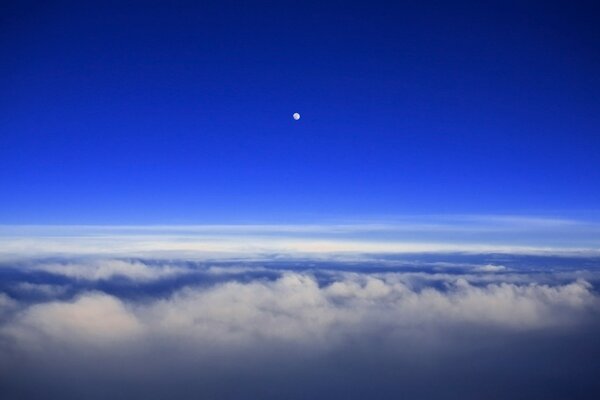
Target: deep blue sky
{"points": [[181, 112]]}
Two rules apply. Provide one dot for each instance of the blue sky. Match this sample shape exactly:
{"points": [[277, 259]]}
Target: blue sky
{"points": [[181, 112]]}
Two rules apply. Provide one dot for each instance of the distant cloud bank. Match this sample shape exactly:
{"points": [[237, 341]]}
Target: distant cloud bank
{"points": [[469, 234]]}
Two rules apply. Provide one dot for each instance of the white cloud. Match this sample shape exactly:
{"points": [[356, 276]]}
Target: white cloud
{"points": [[490, 268], [94, 270], [296, 309], [91, 319], [475, 234], [285, 324], [261, 324]]}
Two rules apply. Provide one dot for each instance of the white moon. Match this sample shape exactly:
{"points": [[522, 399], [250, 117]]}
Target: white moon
{"points": [[296, 116]]}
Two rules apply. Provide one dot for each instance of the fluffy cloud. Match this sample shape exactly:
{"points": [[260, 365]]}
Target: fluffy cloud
{"points": [[296, 308], [490, 268], [94, 318], [260, 326], [110, 268]]}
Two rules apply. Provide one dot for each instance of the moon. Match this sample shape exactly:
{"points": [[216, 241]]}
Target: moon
{"points": [[296, 116]]}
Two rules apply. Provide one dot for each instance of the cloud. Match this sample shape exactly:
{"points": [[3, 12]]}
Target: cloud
{"points": [[467, 234], [6, 305], [43, 290], [94, 318], [490, 268], [104, 269], [291, 327], [295, 308]]}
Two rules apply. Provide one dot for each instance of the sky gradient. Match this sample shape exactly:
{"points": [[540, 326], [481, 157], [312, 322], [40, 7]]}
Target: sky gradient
{"points": [[181, 112]]}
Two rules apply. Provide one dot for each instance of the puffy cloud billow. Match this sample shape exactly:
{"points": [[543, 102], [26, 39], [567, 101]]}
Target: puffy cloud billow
{"points": [[421, 328]]}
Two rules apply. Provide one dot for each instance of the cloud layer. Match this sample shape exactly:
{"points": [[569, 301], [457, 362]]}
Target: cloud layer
{"points": [[94, 327], [474, 234], [295, 309]]}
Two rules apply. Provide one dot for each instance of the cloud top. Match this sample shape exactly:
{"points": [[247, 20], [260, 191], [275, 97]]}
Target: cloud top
{"points": [[134, 327]]}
